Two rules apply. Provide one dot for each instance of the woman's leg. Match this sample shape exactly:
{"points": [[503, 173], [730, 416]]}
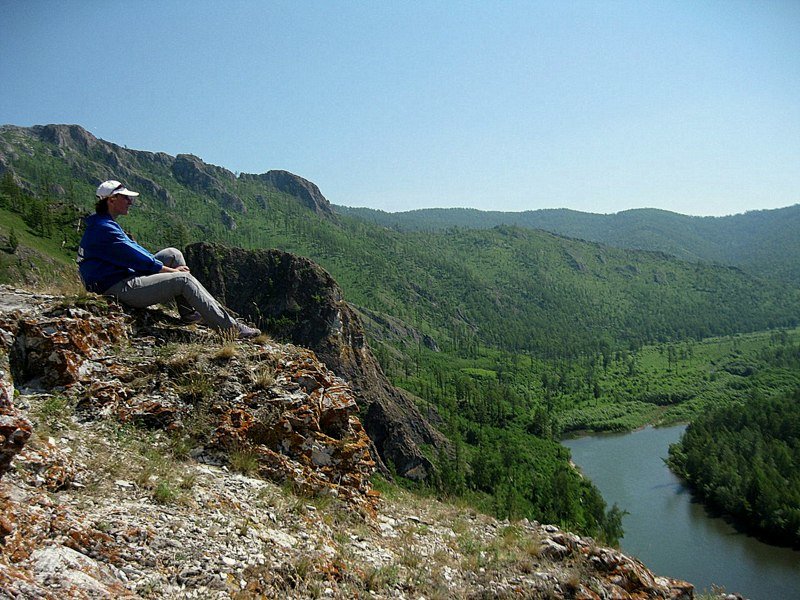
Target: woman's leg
{"points": [[147, 290], [172, 257]]}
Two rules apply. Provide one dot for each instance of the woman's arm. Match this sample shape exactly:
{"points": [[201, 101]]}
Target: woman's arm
{"points": [[112, 245]]}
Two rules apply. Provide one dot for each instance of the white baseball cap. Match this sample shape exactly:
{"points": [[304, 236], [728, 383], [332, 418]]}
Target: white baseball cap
{"points": [[112, 187]]}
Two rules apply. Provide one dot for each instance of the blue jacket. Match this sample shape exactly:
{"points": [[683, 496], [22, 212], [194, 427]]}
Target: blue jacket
{"points": [[106, 255]]}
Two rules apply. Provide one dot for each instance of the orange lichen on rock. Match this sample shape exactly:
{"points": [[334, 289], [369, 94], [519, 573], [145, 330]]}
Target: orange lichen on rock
{"points": [[58, 346], [310, 435]]}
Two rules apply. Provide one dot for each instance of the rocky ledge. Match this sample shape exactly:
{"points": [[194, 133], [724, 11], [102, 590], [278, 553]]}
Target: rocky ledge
{"points": [[149, 459]]}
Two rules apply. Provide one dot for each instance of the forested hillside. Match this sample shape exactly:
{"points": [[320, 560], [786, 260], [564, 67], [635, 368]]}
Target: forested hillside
{"points": [[497, 406], [507, 336], [763, 242]]}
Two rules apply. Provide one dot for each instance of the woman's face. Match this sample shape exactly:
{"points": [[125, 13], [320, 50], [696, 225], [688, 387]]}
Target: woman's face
{"points": [[118, 204]]}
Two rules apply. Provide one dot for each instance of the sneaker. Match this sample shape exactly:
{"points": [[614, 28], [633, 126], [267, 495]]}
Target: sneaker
{"points": [[194, 317], [246, 333]]}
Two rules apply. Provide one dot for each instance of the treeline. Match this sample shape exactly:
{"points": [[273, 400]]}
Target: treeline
{"points": [[507, 458], [512, 473], [744, 461]]}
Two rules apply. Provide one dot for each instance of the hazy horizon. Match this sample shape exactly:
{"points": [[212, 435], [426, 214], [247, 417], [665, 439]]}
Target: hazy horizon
{"points": [[568, 209]]}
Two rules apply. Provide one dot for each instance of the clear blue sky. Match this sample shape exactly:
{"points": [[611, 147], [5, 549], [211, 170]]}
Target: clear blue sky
{"points": [[691, 106]]}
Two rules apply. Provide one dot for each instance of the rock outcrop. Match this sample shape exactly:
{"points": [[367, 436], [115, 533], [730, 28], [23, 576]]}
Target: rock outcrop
{"points": [[295, 299], [294, 417], [94, 160], [208, 180], [307, 192], [89, 158], [15, 429]]}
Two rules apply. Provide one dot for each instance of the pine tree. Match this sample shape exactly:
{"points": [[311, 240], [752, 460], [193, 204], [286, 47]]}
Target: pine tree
{"points": [[13, 241], [10, 193]]}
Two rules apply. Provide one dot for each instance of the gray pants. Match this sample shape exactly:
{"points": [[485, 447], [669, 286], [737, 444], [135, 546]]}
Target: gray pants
{"points": [[188, 293]]}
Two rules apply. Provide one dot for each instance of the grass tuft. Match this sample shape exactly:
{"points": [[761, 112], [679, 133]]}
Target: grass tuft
{"points": [[244, 460], [164, 493], [264, 376], [195, 387]]}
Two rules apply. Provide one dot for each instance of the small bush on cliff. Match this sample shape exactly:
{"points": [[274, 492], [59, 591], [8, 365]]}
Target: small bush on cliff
{"points": [[195, 387], [164, 493]]}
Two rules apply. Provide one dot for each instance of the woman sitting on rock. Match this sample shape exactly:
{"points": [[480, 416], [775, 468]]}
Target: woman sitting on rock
{"points": [[112, 264]]}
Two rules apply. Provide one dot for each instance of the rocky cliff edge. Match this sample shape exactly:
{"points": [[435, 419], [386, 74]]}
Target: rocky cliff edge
{"points": [[141, 459], [295, 299]]}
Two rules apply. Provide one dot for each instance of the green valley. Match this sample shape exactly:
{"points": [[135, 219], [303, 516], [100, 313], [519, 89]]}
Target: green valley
{"points": [[498, 405]]}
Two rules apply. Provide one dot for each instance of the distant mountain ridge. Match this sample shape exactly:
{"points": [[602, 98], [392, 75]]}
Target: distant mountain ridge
{"points": [[764, 242]]}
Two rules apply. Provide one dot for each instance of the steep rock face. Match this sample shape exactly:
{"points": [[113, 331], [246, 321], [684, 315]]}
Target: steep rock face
{"points": [[294, 298], [307, 192], [227, 220], [206, 179], [73, 137]]}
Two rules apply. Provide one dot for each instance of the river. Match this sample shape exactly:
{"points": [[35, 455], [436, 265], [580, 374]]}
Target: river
{"points": [[672, 535]]}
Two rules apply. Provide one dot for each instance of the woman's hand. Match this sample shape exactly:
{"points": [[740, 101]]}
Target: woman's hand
{"points": [[182, 268]]}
